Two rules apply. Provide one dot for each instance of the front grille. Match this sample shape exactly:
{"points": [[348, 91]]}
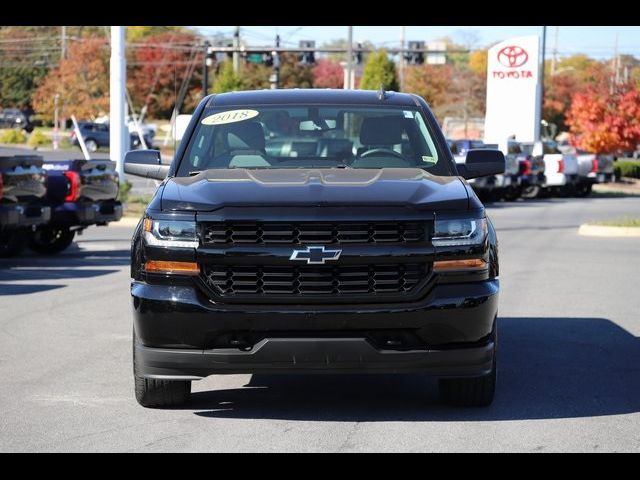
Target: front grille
{"points": [[267, 280], [301, 233]]}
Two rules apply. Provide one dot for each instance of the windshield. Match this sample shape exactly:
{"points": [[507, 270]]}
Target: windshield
{"points": [[312, 136]]}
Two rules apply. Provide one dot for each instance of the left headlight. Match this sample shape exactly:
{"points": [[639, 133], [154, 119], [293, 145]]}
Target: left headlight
{"points": [[170, 233], [459, 232]]}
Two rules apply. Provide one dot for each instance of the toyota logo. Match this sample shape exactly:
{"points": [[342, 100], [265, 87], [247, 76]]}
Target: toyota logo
{"points": [[513, 56]]}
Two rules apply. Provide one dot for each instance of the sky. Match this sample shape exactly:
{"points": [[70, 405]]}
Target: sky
{"points": [[597, 42]]}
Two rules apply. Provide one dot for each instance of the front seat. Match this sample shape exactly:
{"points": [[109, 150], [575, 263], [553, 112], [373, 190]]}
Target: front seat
{"points": [[379, 132], [245, 145]]}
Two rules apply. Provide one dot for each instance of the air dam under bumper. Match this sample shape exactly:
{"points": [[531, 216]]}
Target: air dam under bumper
{"points": [[459, 316]]}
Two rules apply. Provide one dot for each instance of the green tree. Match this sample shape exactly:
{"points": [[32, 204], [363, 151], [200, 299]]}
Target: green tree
{"points": [[137, 33], [26, 55], [227, 80], [379, 70]]}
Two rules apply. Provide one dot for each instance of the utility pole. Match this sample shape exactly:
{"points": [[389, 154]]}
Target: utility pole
{"points": [[118, 132], [616, 61], [205, 69], [56, 122], [63, 43], [275, 78], [544, 47], [402, 60], [236, 53], [350, 58], [555, 52]]}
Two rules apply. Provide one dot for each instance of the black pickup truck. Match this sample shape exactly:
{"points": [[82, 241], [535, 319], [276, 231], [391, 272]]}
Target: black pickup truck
{"points": [[80, 193], [22, 207], [315, 231]]}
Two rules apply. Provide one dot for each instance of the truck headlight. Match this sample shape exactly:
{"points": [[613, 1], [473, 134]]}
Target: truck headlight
{"points": [[459, 232], [170, 233]]}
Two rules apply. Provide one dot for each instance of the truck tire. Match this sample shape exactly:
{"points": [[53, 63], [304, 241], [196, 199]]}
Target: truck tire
{"points": [[91, 145], [583, 190], [469, 392], [152, 393], [49, 240], [472, 391], [512, 194], [11, 242], [531, 191]]}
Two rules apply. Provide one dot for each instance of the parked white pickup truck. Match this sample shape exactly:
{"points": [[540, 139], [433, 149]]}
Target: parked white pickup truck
{"points": [[561, 170], [494, 187]]}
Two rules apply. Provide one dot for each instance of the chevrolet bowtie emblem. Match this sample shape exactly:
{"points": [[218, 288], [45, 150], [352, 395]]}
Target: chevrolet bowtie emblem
{"points": [[315, 255]]}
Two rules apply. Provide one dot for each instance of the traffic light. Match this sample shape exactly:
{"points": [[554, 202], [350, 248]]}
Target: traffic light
{"points": [[359, 53], [415, 56], [307, 58]]}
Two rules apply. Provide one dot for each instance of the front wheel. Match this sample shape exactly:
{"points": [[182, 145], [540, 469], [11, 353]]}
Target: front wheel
{"points": [[531, 191], [470, 392], [583, 190], [153, 393], [91, 145], [50, 240]]}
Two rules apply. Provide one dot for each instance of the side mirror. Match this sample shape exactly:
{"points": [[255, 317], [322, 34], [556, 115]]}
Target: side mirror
{"points": [[146, 164], [482, 163]]}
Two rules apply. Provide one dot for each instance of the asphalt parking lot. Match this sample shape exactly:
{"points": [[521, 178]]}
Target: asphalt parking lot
{"points": [[569, 359]]}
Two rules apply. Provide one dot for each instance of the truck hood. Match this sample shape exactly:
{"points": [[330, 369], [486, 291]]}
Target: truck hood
{"points": [[212, 189]]}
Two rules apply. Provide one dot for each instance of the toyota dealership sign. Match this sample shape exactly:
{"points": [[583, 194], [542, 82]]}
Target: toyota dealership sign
{"points": [[513, 90]]}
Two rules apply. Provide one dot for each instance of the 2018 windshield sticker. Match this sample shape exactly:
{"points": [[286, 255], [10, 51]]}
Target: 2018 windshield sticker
{"points": [[230, 117]]}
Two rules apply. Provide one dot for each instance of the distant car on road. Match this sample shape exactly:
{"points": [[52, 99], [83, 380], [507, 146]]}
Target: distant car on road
{"points": [[15, 118], [96, 135]]}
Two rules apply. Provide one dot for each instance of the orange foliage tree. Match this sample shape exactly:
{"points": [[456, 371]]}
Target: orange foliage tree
{"points": [[605, 120], [156, 68], [81, 81]]}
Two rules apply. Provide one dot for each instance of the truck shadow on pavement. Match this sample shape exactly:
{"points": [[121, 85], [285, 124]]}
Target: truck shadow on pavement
{"points": [[33, 270], [547, 368]]}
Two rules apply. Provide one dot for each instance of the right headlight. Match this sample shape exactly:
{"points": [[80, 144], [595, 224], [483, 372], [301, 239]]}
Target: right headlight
{"points": [[459, 232], [170, 233]]}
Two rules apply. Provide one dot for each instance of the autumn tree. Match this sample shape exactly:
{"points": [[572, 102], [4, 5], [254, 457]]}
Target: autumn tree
{"points": [[606, 118], [379, 70], [156, 68], [293, 74], [558, 90], [478, 61], [138, 33], [328, 74], [81, 80]]}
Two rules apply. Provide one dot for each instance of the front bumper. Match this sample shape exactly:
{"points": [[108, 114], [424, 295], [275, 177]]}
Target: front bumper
{"points": [[181, 334], [87, 213], [19, 215]]}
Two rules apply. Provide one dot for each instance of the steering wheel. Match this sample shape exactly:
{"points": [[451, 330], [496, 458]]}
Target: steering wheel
{"points": [[385, 151]]}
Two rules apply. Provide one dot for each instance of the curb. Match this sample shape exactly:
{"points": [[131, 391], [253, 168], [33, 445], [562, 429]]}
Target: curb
{"points": [[608, 231]]}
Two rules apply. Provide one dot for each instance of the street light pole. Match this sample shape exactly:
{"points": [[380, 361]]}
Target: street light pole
{"points": [[205, 71], [236, 54], [56, 122], [402, 37], [350, 58], [544, 46], [118, 132]]}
